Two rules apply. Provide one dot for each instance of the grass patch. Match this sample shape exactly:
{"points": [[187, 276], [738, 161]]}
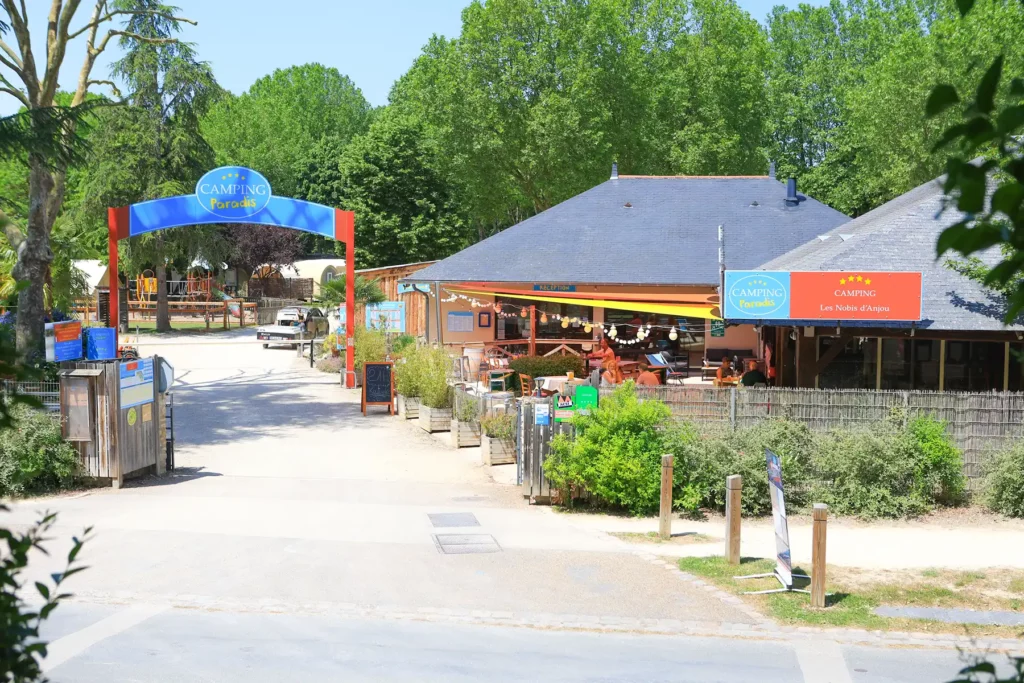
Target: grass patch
{"points": [[653, 537], [853, 594]]}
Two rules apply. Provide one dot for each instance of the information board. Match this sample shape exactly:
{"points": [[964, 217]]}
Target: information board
{"points": [[460, 321], [783, 558], [541, 413], [100, 343], [63, 341], [379, 385], [564, 408], [137, 382], [586, 399], [388, 316]]}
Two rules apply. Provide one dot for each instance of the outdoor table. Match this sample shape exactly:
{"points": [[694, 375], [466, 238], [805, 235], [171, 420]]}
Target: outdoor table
{"points": [[556, 382]]}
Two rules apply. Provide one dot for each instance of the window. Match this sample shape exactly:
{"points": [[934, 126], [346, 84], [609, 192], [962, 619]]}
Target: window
{"points": [[897, 364], [974, 366], [1016, 368], [853, 368], [689, 341], [548, 326]]}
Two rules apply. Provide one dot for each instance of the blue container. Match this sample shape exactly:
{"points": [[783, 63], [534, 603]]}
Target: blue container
{"points": [[100, 343]]}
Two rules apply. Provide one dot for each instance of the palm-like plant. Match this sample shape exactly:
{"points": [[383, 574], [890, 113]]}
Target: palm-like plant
{"points": [[332, 293]]}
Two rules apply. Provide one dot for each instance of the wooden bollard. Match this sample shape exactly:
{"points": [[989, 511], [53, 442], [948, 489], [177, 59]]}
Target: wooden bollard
{"points": [[818, 555], [665, 521], [733, 502]]}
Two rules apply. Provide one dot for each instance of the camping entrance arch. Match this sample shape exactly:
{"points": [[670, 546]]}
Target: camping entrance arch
{"points": [[235, 194]]}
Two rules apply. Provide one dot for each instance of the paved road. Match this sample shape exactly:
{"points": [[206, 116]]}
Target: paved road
{"points": [[295, 542]]}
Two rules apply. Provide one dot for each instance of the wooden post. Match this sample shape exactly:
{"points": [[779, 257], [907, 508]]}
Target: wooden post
{"points": [[665, 522], [533, 330], [818, 555], [225, 314], [733, 498]]}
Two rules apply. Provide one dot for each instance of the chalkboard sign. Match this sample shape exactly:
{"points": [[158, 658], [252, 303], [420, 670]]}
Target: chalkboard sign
{"points": [[379, 385]]}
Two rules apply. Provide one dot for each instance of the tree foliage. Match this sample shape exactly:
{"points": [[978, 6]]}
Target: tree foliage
{"points": [[281, 117], [406, 210]]}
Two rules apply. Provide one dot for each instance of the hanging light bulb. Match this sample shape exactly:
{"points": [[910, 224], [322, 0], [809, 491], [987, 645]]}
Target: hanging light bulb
{"points": [[565, 323], [673, 335], [613, 332], [587, 328], [497, 308]]}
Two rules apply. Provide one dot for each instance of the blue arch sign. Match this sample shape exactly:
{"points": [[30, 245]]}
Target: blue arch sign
{"points": [[232, 194], [236, 194]]}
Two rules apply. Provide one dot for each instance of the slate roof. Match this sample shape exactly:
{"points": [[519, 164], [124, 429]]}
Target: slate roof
{"points": [[900, 235], [667, 236]]}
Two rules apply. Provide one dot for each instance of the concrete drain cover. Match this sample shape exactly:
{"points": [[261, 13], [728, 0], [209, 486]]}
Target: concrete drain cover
{"points": [[465, 544], [452, 519]]}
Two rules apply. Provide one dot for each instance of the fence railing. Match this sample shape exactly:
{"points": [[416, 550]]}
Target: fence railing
{"points": [[470, 406], [48, 393], [979, 423]]}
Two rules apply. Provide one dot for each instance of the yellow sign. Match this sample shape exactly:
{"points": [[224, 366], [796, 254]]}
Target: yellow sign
{"points": [[132, 417], [147, 412]]}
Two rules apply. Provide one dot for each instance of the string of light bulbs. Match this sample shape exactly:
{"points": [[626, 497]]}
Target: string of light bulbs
{"points": [[643, 331]]}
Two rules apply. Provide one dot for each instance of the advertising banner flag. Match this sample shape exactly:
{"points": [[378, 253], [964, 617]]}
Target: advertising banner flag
{"points": [[783, 558]]}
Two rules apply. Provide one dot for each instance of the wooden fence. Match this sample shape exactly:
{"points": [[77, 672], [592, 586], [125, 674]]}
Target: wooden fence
{"points": [[979, 423]]}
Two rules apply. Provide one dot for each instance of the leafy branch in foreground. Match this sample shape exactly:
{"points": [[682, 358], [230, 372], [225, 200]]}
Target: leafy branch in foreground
{"points": [[21, 648], [984, 671]]}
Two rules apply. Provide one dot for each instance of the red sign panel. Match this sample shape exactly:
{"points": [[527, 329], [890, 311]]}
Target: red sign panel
{"points": [[67, 331], [855, 295]]}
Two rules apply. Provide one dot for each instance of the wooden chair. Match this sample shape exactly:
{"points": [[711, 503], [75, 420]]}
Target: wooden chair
{"points": [[525, 385]]}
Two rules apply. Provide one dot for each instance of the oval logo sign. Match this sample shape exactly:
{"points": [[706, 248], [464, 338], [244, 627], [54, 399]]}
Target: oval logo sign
{"points": [[758, 296], [233, 192]]}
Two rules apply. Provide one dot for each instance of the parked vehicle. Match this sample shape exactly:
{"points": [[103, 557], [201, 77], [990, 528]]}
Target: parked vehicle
{"points": [[294, 323]]}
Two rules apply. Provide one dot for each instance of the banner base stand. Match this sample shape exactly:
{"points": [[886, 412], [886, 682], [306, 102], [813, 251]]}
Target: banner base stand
{"points": [[785, 588]]}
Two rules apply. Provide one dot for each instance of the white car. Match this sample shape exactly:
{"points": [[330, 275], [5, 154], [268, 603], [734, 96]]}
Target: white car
{"points": [[292, 325]]}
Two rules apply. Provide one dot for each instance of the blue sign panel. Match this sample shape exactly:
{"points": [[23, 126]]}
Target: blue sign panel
{"points": [[756, 295], [100, 343], [389, 315], [233, 192], [406, 288], [222, 196], [63, 341], [554, 288], [136, 382]]}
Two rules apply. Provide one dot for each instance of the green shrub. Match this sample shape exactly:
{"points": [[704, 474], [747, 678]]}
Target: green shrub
{"points": [[722, 452], [408, 371], [499, 426], [34, 458], [545, 366], [402, 343], [1004, 481], [371, 347], [435, 391], [616, 454], [940, 471]]}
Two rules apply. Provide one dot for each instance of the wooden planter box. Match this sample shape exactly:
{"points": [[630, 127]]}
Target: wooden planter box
{"points": [[409, 406], [497, 451], [435, 419], [465, 434]]}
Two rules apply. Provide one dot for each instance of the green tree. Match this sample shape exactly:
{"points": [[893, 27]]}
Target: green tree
{"points": [[404, 205], [152, 147], [334, 292], [37, 92], [281, 117]]}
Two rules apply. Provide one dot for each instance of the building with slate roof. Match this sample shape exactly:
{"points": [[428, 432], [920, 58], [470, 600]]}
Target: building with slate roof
{"points": [[632, 249], [960, 343]]}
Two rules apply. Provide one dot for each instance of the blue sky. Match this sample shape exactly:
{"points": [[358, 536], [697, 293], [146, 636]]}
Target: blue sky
{"points": [[372, 41]]}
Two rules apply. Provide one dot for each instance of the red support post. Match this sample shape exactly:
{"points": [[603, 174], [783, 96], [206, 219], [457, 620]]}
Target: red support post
{"points": [[117, 229], [345, 231], [533, 330]]}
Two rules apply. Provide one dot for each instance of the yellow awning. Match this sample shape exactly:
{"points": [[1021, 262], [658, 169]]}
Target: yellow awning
{"points": [[708, 311]]}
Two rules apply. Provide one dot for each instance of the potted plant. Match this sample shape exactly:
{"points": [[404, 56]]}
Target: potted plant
{"points": [[407, 383], [435, 412], [498, 441], [466, 422]]}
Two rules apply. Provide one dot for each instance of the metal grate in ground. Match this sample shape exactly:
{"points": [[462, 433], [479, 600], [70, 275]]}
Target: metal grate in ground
{"points": [[466, 544], [452, 519]]}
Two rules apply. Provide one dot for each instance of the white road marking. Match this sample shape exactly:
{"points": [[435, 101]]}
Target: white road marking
{"points": [[63, 649], [821, 661]]}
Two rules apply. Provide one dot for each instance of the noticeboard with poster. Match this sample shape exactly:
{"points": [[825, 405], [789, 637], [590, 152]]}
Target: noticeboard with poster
{"points": [[783, 558], [63, 341], [136, 382]]}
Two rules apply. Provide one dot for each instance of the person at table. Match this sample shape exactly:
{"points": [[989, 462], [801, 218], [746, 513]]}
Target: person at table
{"points": [[753, 376], [646, 378], [611, 376], [725, 371], [605, 353]]}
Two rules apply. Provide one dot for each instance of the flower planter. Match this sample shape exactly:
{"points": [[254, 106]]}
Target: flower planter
{"points": [[409, 406], [435, 419], [465, 434], [497, 451]]}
